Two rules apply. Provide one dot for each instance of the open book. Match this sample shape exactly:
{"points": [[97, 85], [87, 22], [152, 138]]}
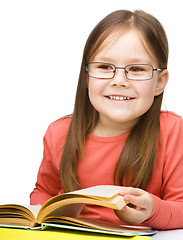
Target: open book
{"points": [[60, 211]]}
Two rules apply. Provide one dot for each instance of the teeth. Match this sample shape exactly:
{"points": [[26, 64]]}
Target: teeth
{"points": [[119, 98]]}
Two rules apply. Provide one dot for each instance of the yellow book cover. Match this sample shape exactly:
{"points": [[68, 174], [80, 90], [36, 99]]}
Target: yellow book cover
{"points": [[21, 234]]}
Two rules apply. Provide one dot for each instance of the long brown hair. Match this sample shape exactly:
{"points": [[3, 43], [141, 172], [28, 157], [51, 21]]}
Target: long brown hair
{"points": [[135, 164]]}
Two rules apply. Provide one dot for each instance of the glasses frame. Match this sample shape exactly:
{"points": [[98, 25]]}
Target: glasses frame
{"points": [[124, 68]]}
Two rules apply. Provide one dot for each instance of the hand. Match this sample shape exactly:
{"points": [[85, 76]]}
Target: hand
{"points": [[139, 207]]}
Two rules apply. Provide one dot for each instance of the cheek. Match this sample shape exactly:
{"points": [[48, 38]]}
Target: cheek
{"points": [[146, 93], [95, 88], [146, 89], [95, 92]]}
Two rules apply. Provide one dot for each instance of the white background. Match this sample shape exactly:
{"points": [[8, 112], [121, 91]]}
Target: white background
{"points": [[41, 45]]}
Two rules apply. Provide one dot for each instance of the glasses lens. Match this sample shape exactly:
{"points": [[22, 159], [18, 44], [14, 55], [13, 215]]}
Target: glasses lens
{"points": [[139, 71], [101, 70]]}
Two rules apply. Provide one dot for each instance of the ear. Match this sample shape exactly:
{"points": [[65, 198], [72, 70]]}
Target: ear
{"points": [[161, 83]]}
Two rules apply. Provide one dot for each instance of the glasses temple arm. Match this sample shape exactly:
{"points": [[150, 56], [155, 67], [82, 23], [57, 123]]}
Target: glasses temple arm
{"points": [[159, 69]]}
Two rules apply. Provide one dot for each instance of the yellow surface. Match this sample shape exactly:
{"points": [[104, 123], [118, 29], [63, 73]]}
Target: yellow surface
{"points": [[21, 234]]}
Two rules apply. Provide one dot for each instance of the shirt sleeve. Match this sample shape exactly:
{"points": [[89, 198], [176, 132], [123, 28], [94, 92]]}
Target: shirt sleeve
{"points": [[168, 209], [48, 179]]}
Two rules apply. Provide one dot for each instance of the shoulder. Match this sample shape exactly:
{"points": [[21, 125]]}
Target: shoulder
{"points": [[170, 121], [169, 118], [58, 129], [61, 124], [168, 115]]}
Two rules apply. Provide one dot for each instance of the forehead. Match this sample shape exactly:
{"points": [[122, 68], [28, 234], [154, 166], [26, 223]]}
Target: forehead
{"points": [[124, 46]]}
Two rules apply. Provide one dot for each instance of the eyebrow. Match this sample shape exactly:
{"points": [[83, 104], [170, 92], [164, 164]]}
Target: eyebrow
{"points": [[131, 61]]}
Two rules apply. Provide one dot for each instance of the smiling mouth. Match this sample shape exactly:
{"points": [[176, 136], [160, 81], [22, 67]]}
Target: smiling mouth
{"points": [[119, 98]]}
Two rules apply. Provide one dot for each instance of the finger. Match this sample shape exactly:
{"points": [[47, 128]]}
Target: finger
{"points": [[131, 191], [131, 215], [135, 200], [129, 211]]}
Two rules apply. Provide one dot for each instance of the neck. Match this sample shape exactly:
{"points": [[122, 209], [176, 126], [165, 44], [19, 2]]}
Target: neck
{"points": [[106, 128]]}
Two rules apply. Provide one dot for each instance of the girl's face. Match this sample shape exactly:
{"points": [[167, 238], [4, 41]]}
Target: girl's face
{"points": [[120, 101]]}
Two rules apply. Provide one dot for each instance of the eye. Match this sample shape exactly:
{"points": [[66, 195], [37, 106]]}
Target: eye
{"points": [[136, 69], [105, 66]]}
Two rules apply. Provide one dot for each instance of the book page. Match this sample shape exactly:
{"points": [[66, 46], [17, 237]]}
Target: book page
{"points": [[102, 195], [14, 214], [19, 210], [34, 209], [103, 191]]}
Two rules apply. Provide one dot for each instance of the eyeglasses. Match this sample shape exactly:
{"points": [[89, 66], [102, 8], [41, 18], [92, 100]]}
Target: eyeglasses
{"points": [[138, 72]]}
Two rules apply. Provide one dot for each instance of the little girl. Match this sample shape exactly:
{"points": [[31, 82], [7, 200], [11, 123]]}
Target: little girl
{"points": [[117, 134]]}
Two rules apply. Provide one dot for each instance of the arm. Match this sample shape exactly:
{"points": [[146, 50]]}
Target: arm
{"points": [[168, 208], [48, 179], [164, 211]]}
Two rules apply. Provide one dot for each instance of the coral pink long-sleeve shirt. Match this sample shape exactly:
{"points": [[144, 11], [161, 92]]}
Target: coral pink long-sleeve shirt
{"points": [[101, 155]]}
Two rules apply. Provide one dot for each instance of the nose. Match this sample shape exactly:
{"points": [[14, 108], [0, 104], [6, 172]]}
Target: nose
{"points": [[120, 78]]}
